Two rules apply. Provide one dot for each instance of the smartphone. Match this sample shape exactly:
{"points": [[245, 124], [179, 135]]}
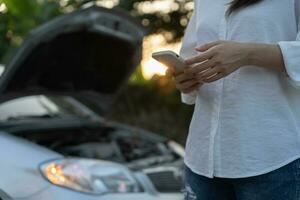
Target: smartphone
{"points": [[170, 59]]}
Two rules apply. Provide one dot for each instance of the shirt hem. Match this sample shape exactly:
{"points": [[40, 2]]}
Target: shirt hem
{"points": [[270, 169], [196, 171]]}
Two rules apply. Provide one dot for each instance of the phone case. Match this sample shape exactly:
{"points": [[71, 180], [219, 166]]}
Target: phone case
{"points": [[170, 59]]}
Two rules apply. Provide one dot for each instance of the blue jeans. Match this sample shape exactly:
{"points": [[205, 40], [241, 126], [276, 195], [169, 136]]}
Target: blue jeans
{"points": [[280, 184]]}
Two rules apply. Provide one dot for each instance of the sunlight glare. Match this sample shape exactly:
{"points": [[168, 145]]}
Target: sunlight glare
{"points": [[3, 8], [163, 6], [151, 67], [153, 43], [107, 3]]}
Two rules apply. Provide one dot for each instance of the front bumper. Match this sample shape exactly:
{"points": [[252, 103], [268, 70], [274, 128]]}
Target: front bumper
{"points": [[58, 193]]}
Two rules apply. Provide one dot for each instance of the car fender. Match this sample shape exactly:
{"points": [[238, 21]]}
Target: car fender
{"points": [[19, 169]]}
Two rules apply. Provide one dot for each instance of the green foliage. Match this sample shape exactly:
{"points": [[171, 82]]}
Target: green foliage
{"points": [[22, 16], [21, 8], [160, 21]]}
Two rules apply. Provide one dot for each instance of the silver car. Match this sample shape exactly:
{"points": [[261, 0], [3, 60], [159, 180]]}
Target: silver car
{"points": [[55, 142]]}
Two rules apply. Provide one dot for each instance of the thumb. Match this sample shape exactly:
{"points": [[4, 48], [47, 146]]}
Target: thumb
{"points": [[170, 72]]}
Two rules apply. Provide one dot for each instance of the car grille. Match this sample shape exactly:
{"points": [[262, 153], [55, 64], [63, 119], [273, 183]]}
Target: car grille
{"points": [[166, 180]]}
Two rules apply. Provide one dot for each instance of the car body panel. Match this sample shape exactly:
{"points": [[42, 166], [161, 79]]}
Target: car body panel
{"points": [[19, 166], [54, 192]]}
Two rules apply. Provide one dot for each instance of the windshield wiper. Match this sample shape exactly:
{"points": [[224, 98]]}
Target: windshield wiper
{"points": [[46, 116], [28, 117]]}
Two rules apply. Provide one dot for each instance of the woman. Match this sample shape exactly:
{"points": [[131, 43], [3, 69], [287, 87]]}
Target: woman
{"points": [[244, 79]]}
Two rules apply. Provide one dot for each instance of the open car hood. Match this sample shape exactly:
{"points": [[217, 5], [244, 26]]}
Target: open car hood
{"points": [[89, 53]]}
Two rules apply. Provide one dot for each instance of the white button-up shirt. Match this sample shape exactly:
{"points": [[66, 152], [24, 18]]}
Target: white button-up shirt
{"points": [[247, 123]]}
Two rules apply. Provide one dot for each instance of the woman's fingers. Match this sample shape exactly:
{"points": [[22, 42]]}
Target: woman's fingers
{"points": [[169, 72], [192, 88], [199, 58], [213, 78], [207, 46], [200, 67], [184, 82], [183, 77], [208, 73], [187, 84]]}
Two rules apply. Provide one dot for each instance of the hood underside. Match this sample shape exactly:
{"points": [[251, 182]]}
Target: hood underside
{"points": [[91, 51]]}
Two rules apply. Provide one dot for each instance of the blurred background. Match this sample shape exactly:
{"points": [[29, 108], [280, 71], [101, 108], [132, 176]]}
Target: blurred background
{"points": [[150, 101]]}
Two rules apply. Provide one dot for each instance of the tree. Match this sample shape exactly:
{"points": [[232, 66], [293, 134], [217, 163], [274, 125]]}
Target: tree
{"points": [[18, 17]]}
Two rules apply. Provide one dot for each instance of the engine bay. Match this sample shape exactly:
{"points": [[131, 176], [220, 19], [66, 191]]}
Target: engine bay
{"points": [[139, 150], [130, 147]]}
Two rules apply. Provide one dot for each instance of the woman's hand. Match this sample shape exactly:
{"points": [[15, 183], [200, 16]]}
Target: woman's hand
{"points": [[185, 82], [217, 60]]}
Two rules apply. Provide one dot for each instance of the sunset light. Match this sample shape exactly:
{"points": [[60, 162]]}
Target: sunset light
{"points": [[156, 42], [153, 43], [151, 67]]}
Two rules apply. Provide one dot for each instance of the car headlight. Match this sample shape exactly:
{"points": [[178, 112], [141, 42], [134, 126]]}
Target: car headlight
{"points": [[90, 176], [177, 148]]}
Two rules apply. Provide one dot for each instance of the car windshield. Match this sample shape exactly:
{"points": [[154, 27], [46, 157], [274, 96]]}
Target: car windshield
{"points": [[41, 106]]}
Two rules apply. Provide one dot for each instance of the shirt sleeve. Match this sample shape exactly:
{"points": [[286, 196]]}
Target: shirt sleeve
{"points": [[291, 54], [188, 50]]}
